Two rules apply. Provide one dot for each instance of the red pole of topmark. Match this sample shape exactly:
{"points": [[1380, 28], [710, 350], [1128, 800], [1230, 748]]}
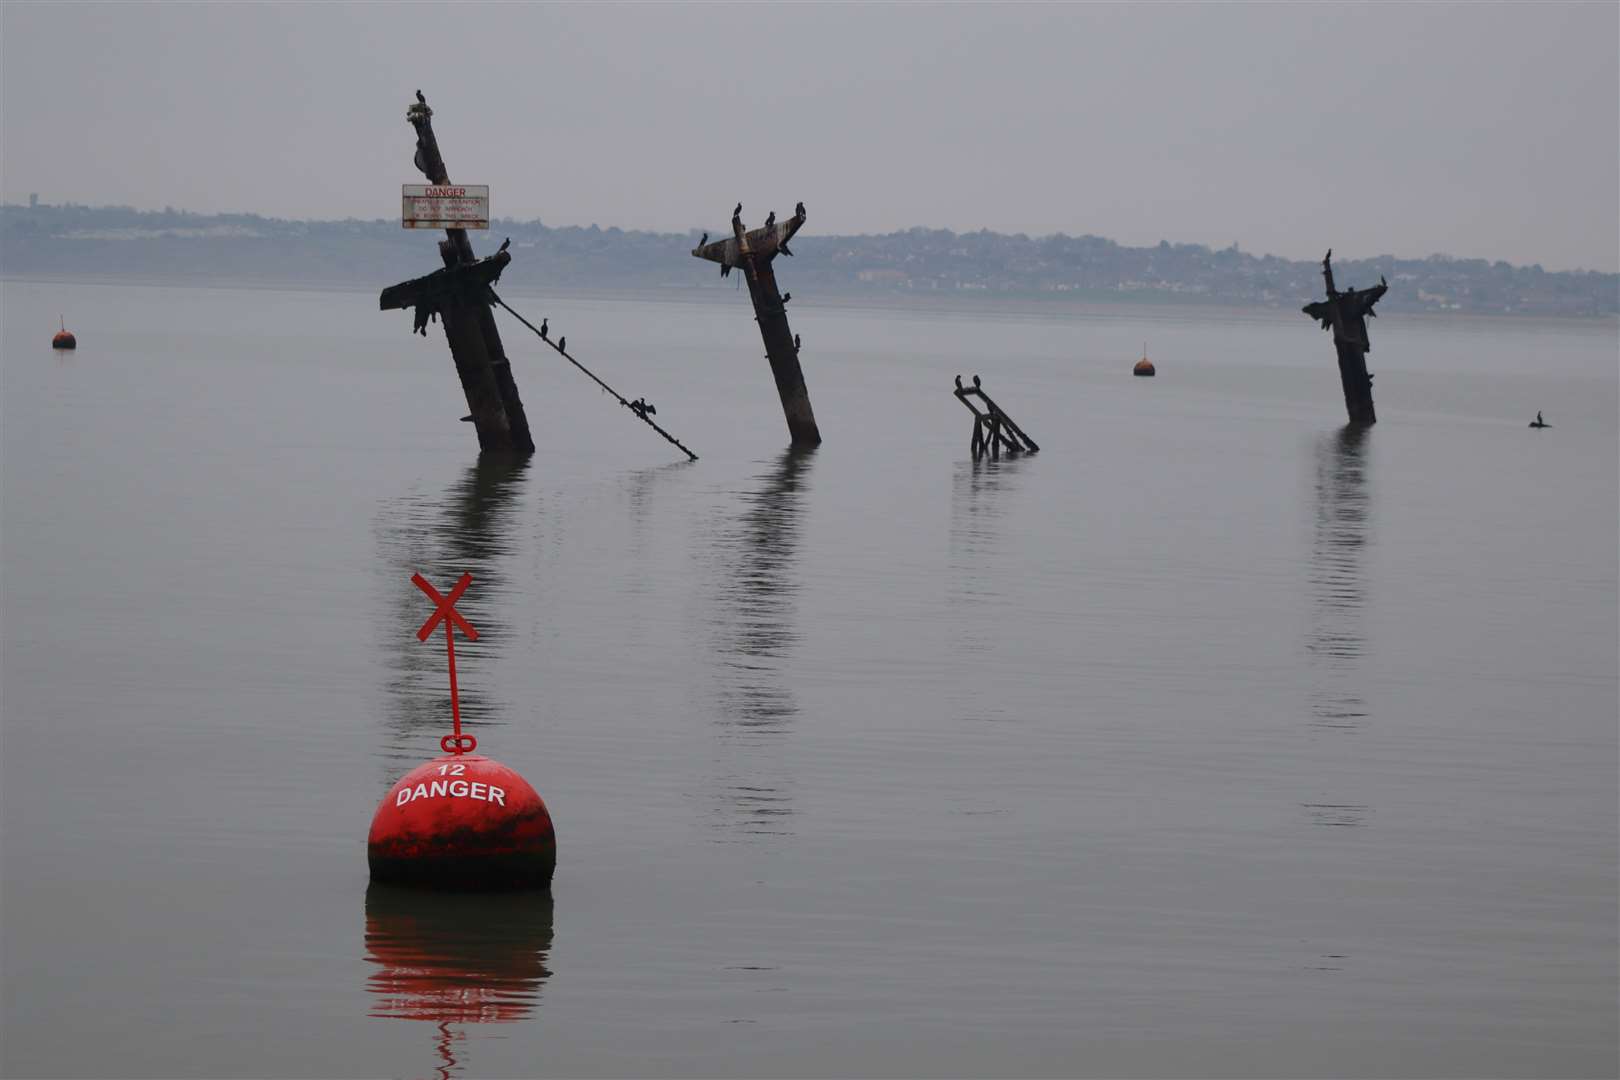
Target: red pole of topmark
{"points": [[455, 696], [461, 821], [444, 609]]}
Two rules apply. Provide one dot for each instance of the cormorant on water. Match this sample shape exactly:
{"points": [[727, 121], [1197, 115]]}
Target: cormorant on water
{"points": [[975, 382], [959, 382], [544, 328], [737, 212], [420, 98], [703, 241], [770, 219], [795, 342], [562, 344], [504, 245]]}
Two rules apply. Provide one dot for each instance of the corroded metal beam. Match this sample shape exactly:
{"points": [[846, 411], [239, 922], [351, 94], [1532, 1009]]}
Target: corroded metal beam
{"points": [[754, 251], [475, 341], [434, 289], [1346, 314]]}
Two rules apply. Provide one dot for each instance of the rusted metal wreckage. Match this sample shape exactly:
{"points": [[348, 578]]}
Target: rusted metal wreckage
{"points": [[458, 296], [754, 250], [993, 430], [1346, 313]]}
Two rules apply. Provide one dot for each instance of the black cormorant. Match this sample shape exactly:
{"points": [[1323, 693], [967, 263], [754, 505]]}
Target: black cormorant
{"points": [[420, 98], [504, 245], [770, 219], [975, 382], [786, 297], [959, 382], [544, 329], [737, 212], [798, 210], [562, 344]]}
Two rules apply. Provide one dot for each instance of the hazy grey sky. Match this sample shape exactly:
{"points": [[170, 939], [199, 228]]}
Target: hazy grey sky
{"points": [[1488, 130]]}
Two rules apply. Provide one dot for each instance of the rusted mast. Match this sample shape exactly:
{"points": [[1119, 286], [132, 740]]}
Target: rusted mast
{"points": [[992, 428], [1346, 313], [754, 251], [469, 325]]}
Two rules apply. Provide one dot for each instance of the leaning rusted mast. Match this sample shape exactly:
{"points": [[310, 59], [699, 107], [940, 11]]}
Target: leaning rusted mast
{"points": [[459, 295], [754, 251], [1346, 313]]}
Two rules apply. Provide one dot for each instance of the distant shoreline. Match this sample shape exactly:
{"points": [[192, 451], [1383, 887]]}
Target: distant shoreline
{"points": [[951, 303], [936, 268]]}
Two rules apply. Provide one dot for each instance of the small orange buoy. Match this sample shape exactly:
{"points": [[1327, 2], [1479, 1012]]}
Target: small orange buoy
{"points": [[63, 339], [1143, 366], [463, 821]]}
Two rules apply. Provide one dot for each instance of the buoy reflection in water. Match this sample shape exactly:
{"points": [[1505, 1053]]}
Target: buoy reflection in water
{"points": [[456, 958]]}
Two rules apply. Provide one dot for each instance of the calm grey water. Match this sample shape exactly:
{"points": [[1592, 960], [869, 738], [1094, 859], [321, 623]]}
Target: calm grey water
{"points": [[1212, 740]]}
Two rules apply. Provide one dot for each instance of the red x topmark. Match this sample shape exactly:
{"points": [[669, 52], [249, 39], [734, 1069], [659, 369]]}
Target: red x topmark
{"points": [[445, 607]]}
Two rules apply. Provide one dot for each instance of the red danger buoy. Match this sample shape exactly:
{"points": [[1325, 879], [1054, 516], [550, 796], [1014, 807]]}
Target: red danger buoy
{"points": [[461, 821]]}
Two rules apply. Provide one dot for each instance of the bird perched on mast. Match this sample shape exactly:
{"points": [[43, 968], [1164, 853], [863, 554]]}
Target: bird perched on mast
{"points": [[420, 99]]}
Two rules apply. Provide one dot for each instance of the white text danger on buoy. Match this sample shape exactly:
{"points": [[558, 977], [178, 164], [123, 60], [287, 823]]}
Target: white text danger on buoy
{"points": [[455, 789]]}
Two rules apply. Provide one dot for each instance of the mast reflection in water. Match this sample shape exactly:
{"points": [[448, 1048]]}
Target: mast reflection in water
{"points": [[454, 959], [466, 528], [753, 635], [1338, 592], [980, 491]]}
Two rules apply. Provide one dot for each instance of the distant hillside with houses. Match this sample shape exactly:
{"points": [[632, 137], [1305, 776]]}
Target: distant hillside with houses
{"points": [[172, 245]]}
